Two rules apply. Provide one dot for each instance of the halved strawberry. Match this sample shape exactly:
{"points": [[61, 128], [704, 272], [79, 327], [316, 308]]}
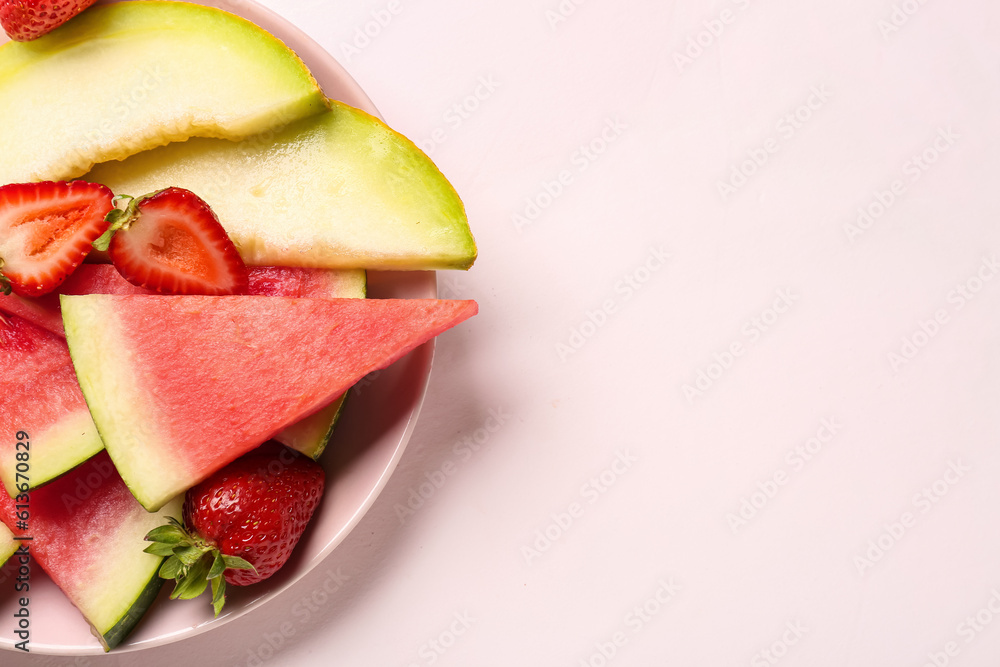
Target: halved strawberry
{"points": [[171, 242], [46, 230], [24, 20]]}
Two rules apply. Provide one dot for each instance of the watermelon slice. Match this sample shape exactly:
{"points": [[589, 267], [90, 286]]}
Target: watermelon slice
{"points": [[8, 545], [40, 396], [87, 533], [181, 385], [309, 436]]}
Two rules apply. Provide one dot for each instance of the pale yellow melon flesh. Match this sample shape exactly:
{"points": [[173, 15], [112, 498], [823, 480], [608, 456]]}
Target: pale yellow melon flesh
{"points": [[127, 77], [337, 190]]}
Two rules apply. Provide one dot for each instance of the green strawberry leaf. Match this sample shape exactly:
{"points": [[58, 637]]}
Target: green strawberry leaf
{"points": [[218, 567], [120, 218], [169, 534], [238, 563], [171, 568], [193, 583], [159, 549], [218, 594], [188, 555]]}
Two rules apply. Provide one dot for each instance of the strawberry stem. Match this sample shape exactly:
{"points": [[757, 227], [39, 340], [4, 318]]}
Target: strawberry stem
{"points": [[120, 218]]}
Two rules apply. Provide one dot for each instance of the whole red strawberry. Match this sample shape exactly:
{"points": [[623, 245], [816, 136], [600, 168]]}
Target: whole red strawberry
{"points": [[241, 524], [25, 20]]}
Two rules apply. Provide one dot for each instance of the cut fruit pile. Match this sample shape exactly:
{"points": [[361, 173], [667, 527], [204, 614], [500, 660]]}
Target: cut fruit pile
{"points": [[233, 315]]}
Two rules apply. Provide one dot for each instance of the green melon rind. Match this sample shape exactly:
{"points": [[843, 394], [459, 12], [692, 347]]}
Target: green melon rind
{"points": [[125, 77], [8, 545], [311, 435], [142, 577], [336, 190]]}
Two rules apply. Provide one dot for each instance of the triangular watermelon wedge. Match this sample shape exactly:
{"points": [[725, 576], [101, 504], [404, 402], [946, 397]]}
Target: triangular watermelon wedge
{"points": [[179, 386], [88, 533], [39, 398]]}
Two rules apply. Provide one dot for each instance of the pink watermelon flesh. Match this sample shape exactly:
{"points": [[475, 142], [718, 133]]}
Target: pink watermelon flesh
{"points": [[87, 533], [308, 436], [181, 385], [42, 311], [105, 279], [40, 397]]}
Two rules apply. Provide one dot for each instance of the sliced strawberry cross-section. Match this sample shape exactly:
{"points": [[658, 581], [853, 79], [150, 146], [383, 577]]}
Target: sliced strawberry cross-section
{"points": [[171, 242], [46, 231]]}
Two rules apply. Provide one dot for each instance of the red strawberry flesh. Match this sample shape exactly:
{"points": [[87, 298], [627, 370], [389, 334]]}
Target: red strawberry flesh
{"points": [[25, 20], [176, 245], [46, 231]]}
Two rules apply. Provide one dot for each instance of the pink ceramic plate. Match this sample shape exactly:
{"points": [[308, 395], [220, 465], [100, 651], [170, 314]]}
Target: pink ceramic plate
{"points": [[366, 447]]}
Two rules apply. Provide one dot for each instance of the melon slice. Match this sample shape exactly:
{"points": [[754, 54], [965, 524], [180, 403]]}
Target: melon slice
{"points": [[123, 78], [40, 396], [181, 385], [310, 435], [336, 190], [87, 533]]}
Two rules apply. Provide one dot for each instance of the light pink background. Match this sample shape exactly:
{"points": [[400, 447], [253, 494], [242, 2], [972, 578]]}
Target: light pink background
{"points": [[723, 417]]}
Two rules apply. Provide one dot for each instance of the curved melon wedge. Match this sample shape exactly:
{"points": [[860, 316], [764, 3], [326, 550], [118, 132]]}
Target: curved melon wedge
{"points": [[338, 190], [87, 533], [127, 77]]}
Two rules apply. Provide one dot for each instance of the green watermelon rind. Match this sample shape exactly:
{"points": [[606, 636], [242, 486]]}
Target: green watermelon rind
{"points": [[8, 545], [121, 630]]}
